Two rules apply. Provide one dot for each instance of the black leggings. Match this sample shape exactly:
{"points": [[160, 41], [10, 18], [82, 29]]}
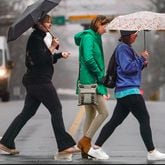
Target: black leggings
{"points": [[136, 105], [37, 94]]}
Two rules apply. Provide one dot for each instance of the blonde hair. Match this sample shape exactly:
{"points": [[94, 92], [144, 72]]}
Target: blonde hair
{"points": [[99, 20]]}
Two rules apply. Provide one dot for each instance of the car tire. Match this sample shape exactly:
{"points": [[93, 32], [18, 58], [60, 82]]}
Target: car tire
{"points": [[6, 97]]}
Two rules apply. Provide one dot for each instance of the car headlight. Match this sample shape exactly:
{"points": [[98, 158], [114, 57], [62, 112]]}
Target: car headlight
{"points": [[3, 72]]}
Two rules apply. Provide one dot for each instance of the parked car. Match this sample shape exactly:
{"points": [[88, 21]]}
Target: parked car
{"points": [[6, 65]]}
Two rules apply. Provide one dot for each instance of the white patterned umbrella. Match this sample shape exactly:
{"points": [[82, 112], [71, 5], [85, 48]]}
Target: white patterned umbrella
{"points": [[143, 20]]}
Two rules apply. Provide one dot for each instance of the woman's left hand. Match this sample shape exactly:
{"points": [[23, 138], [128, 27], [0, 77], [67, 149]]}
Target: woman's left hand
{"points": [[107, 97], [65, 54]]}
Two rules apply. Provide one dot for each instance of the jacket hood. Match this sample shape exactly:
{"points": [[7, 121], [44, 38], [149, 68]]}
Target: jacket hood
{"points": [[79, 36]]}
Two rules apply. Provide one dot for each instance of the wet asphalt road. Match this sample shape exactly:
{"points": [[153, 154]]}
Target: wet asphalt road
{"points": [[37, 144]]}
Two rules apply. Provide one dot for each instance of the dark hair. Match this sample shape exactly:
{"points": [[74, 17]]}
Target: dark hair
{"points": [[98, 20], [125, 39], [125, 36]]}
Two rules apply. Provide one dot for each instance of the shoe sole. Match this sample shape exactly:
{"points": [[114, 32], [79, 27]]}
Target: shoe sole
{"points": [[5, 150], [151, 160], [63, 157], [70, 152]]}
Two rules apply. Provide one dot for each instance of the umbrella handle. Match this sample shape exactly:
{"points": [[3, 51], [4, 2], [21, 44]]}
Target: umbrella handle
{"points": [[51, 34], [145, 42], [48, 31], [53, 37]]}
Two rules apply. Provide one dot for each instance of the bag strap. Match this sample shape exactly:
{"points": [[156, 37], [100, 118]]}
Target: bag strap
{"points": [[79, 71], [112, 64]]}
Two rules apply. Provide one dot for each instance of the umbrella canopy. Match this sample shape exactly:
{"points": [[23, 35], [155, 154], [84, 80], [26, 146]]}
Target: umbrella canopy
{"points": [[30, 16], [143, 20]]}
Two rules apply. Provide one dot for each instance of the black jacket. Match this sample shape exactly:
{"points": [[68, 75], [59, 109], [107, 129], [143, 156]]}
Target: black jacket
{"points": [[39, 60]]}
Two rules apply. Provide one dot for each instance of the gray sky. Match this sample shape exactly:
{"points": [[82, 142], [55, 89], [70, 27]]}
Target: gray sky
{"points": [[81, 7]]}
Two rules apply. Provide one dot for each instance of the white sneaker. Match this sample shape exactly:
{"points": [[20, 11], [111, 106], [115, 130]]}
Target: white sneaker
{"points": [[155, 155], [98, 153]]}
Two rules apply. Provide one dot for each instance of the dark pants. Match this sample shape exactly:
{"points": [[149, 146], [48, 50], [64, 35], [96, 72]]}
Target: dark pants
{"points": [[136, 105], [37, 94]]}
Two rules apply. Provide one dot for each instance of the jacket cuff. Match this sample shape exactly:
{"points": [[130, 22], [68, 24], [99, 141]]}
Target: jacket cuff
{"points": [[58, 55]]}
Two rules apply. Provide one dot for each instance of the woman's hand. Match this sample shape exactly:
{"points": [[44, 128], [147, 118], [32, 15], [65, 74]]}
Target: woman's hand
{"points": [[65, 54], [54, 44], [107, 97], [145, 54]]}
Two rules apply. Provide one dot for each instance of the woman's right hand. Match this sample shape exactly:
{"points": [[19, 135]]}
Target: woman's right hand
{"points": [[54, 44], [145, 54]]}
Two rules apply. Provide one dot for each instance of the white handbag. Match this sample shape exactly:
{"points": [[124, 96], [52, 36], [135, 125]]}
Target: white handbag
{"points": [[87, 94]]}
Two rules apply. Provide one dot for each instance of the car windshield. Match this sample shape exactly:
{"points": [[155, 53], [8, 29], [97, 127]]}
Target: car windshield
{"points": [[0, 57]]}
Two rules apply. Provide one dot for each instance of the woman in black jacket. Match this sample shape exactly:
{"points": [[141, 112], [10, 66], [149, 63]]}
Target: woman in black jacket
{"points": [[37, 81]]}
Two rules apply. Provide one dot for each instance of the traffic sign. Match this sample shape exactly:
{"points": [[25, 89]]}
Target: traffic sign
{"points": [[81, 18], [58, 20]]}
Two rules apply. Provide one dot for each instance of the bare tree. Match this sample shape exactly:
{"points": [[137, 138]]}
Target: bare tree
{"points": [[3, 7], [160, 5]]}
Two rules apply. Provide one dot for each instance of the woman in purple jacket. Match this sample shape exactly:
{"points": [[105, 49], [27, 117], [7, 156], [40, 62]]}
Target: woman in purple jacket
{"points": [[129, 98]]}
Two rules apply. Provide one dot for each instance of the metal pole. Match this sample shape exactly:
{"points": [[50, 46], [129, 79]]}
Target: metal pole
{"points": [[145, 42]]}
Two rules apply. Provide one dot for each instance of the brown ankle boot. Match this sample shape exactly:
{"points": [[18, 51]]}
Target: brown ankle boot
{"points": [[84, 144]]}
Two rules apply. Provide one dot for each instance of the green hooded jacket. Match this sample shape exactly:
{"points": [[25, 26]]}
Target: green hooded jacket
{"points": [[91, 59]]}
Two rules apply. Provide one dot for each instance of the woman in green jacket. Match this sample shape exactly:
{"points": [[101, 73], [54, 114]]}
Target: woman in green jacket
{"points": [[92, 70]]}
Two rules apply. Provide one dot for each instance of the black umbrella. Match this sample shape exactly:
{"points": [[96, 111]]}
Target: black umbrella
{"points": [[30, 16]]}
